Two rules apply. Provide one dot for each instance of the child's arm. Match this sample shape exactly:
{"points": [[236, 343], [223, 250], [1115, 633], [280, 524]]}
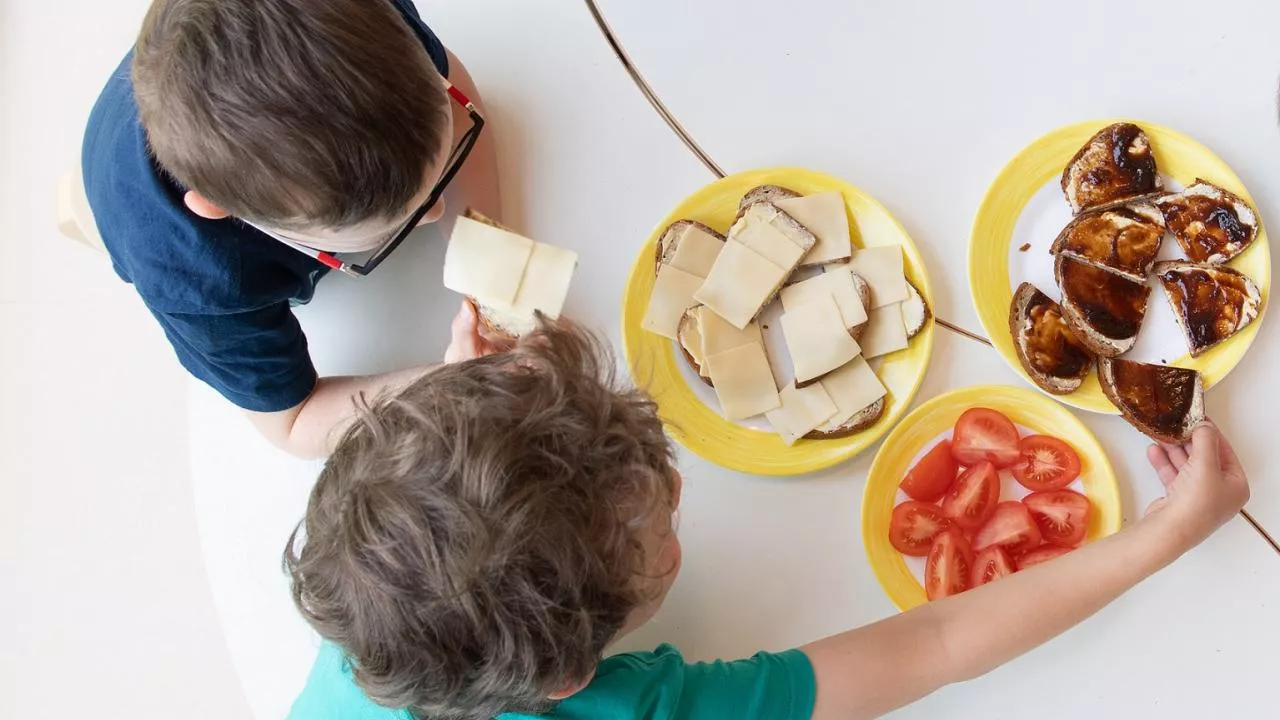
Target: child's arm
{"points": [[874, 669]]}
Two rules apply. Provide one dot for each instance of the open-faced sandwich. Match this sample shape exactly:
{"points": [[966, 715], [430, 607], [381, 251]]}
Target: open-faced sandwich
{"points": [[1211, 302], [1165, 403], [1211, 224], [1049, 351], [1115, 167], [1103, 309], [1124, 240]]}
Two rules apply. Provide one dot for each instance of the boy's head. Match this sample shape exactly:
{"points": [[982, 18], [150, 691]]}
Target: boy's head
{"points": [[475, 542], [324, 120]]}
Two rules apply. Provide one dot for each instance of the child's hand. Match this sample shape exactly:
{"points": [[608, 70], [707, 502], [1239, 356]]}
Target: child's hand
{"points": [[1204, 483], [467, 342]]}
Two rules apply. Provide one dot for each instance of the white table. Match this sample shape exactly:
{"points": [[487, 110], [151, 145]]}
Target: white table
{"points": [[903, 103]]}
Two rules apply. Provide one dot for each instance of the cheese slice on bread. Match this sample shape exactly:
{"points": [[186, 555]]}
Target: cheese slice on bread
{"points": [[743, 382], [801, 411], [881, 267], [826, 216], [1165, 403], [817, 339], [690, 246], [852, 295], [1211, 302], [703, 333], [860, 400]]}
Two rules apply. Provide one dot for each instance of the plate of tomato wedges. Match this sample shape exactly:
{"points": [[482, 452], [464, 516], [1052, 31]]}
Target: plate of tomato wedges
{"points": [[979, 483]]}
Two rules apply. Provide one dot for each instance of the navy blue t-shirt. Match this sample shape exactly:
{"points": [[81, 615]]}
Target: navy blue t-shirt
{"points": [[221, 290]]}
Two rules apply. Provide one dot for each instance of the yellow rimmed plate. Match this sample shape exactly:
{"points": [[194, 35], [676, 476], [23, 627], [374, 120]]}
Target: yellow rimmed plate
{"points": [[1177, 156], [922, 428], [654, 364]]}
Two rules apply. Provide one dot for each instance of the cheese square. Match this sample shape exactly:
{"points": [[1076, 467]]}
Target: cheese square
{"points": [[817, 338], [696, 251], [881, 267], [743, 382], [765, 239], [672, 294], [886, 331], [545, 284], [717, 335], [852, 388], [801, 410], [836, 282], [739, 284], [825, 216], [486, 262]]}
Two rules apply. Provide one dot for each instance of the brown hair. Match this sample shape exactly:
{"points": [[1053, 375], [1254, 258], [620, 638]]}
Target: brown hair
{"points": [[290, 112], [475, 542]]}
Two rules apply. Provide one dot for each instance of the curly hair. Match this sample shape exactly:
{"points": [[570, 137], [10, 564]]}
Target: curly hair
{"points": [[475, 541]]}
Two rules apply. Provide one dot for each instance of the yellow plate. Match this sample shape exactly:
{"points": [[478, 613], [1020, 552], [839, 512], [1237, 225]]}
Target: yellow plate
{"points": [[1177, 156], [921, 429], [653, 362]]}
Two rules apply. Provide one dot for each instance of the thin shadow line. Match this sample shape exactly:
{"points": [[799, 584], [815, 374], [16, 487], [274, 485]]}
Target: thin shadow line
{"points": [[686, 138], [1266, 536]]}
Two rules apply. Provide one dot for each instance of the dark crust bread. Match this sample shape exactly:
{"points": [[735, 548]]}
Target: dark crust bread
{"points": [[685, 322], [1195, 415], [666, 241], [1017, 318], [861, 420], [765, 193]]}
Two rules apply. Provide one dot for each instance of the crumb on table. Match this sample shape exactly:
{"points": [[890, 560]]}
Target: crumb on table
{"points": [[1025, 247]]}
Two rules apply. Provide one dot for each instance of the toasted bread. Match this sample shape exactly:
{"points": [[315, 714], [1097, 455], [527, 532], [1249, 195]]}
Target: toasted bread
{"points": [[915, 311], [1103, 309], [1124, 240], [1211, 224], [860, 421], [1211, 302], [1049, 351], [1116, 166], [1165, 403], [670, 240]]}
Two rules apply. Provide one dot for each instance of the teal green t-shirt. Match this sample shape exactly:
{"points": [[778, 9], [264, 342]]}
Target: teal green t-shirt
{"points": [[656, 685]]}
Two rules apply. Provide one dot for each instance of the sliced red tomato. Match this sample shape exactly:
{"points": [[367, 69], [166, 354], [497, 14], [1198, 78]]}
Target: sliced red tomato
{"points": [[1062, 515], [930, 479], [1044, 553], [1045, 463], [914, 525], [985, 434], [992, 563], [1010, 527], [974, 496], [947, 569]]}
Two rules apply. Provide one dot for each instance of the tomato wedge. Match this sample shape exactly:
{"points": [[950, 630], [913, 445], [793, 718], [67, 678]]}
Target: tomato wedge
{"points": [[985, 434], [913, 527], [992, 563], [974, 496], [1044, 553], [946, 571], [930, 478], [1010, 527], [1045, 463], [1063, 515]]}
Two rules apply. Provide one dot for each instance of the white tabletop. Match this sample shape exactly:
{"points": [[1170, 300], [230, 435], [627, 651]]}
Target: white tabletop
{"points": [[921, 109]]}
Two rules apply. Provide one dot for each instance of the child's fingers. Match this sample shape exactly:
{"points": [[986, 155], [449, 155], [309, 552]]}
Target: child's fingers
{"points": [[1177, 455], [1205, 442], [463, 339], [1158, 456]]}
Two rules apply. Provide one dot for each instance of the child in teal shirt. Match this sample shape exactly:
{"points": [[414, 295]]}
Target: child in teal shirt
{"points": [[476, 542]]}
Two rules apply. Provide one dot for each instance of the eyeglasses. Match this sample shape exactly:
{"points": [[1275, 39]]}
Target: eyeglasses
{"points": [[457, 157]]}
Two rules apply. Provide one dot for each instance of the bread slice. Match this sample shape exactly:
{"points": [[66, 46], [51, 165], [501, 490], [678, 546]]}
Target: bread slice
{"points": [[670, 240], [1116, 166], [1211, 224], [690, 342], [1049, 351], [764, 193], [915, 311], [864, 296], [1165, 403], [1124, 240], [861, 420], [1211, 302], [1103, 309], [497, 325]]}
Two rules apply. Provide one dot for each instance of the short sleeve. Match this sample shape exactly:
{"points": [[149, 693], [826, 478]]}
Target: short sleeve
{"points": [[434, 47], [257, 358]]}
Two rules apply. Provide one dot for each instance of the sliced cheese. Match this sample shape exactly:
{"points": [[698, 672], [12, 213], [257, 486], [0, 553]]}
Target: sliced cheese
{"points": [[545, 284], [756, 231], [486, 262], [739, 284], [672, 294], [817, 338], [881, 267], [852, 388], [743, 382], [801, 410], [825, 216], [696, 250], [886, 332], [836, 282], [717, 335]]}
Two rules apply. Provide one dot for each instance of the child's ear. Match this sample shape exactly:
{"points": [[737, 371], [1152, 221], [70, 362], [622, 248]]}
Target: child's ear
{"points": [[572, 688], [201, 206]]}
